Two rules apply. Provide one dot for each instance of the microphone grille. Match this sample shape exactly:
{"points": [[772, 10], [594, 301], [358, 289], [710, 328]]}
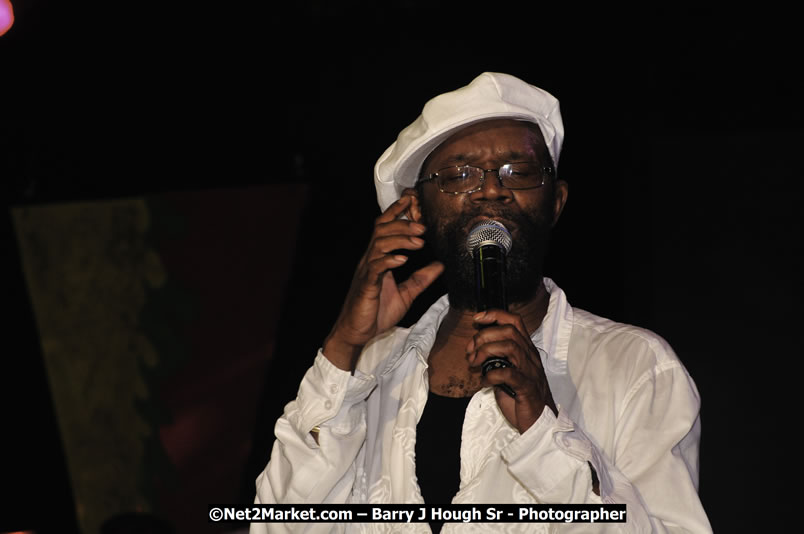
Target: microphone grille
{"points": [[489, 232]]}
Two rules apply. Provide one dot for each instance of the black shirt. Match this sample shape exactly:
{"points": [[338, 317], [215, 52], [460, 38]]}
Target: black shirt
{"points": [[438, 449]]}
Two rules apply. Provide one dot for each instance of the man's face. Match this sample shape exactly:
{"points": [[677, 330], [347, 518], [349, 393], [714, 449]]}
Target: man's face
{"points": [[528, 214]]}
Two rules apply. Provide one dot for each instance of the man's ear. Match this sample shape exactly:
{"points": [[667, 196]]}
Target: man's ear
{"points": [[414, 212], [560, 200]]}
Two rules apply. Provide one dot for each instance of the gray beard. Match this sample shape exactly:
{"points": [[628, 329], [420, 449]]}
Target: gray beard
{"points": [[524, 263]]}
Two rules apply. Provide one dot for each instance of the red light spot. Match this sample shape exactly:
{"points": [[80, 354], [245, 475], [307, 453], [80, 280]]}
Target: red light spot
{"points": [[6, 16]]}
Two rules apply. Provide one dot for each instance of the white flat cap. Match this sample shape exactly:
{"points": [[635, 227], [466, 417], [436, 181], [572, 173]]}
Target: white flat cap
{"points": [[490, 96]]}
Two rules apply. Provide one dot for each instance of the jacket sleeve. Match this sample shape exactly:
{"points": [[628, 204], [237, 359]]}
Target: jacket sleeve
{"points": [[653, 468], [302, 471]]}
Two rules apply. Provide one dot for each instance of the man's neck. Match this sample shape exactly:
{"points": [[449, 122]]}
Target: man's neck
{"points": [[448, 370], [460, 323]]}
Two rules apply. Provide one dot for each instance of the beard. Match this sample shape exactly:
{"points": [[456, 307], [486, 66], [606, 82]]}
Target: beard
{"points": [[524, 262]]}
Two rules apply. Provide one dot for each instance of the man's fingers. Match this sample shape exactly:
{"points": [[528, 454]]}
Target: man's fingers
{"points": [[496, 333], [378, 267], [385, 245], [501, 317], [395, 210], [398, 227], [504, 348], [505, 375], [419, 281]]}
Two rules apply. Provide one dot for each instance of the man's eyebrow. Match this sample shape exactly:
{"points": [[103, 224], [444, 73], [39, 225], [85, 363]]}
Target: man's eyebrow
{"points": [[510, 156], [455, 159], [517, 156]]}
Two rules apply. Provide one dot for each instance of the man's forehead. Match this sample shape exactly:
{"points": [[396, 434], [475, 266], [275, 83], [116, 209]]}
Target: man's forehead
{"points": [[458, 158], [508, 138]]}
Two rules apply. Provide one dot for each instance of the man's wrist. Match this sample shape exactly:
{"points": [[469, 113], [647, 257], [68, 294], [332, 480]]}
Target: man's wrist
{"points": [[340, 354]]}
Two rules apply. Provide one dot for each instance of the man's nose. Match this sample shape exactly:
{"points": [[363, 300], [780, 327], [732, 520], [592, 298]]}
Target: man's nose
{"points": [[493, 189]]}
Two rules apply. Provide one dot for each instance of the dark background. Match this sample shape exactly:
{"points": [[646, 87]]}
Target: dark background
{"points": [[682, 152]]}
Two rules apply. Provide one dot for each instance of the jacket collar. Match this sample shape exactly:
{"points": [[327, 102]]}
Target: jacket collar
{"points": [[552, 336], [556, 328]]}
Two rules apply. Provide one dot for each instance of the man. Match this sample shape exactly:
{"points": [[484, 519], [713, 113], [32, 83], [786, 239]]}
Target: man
{"points": [[588, 411]]}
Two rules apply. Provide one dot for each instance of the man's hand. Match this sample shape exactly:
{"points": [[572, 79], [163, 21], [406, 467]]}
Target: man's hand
{"points": [[506, 336], [375, 302]]}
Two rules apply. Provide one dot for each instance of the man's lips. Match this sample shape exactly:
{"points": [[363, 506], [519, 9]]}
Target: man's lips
{"points": [[474, 221]]}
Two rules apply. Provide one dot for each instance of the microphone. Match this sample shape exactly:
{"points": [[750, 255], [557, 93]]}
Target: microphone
{"points": [[488, 242]]}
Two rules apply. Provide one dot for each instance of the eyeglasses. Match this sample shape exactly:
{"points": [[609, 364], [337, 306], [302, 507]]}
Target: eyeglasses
{"points": [[468, 179]]}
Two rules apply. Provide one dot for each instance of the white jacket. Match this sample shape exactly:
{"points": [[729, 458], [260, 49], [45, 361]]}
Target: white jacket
{"points": [[626, 405]]}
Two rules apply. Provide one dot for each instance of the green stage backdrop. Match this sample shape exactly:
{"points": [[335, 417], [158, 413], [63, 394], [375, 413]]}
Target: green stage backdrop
{"points": [[157, 319]]}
